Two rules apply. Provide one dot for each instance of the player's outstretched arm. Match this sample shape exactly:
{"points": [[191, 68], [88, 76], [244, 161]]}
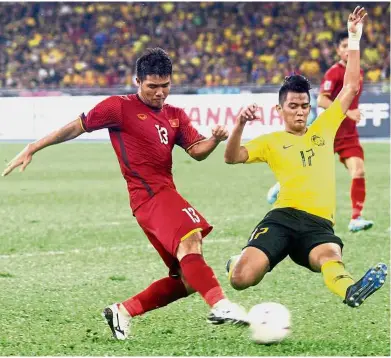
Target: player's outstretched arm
{"points": [[351, 82], [234, 152], [68, 132], [201, 150], [325, 102]]}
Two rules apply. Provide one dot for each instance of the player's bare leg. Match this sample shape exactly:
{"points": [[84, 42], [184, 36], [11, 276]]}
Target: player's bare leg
{"points": [[327, 258], [248, 268], [355, 166], [201, 278]]}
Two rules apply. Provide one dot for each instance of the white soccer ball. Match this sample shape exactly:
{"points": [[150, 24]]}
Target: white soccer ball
{"points": [[270, 322]]}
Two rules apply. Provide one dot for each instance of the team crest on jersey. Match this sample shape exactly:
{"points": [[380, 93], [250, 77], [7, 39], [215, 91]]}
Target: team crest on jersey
{"points": [[174, 122], [319, 141], [142, 116]]}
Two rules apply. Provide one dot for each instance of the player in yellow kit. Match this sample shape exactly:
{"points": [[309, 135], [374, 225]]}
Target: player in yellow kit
{"points": [[302, 159]]}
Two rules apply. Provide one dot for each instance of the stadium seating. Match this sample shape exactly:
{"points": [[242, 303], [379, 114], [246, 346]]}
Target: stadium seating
{"points": [[82, 45]]}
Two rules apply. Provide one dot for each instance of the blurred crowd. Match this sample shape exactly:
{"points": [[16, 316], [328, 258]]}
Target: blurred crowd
{"points": [[60, 45]]}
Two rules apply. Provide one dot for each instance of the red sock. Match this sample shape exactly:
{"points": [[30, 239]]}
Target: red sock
{"points": [[357, 194], [201, 278], [158, 294]]}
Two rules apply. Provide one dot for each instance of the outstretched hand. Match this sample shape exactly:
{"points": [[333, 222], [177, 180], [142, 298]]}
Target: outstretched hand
{"points": [[355, 20], [23, 159]]}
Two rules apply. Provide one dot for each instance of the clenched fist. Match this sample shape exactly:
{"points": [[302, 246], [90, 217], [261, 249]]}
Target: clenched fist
{"points": [[220, 133], [249, 114]]}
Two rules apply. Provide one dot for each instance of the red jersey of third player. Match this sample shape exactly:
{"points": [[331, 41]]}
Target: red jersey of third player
{"points": [[143, 139], [331, 85]]}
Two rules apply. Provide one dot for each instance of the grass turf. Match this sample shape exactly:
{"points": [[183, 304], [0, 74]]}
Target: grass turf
{"points": [[69, 246]]}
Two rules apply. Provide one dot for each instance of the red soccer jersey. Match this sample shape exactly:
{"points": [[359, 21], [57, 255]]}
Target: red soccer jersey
{"points": [[143, 139], [331, 85]]}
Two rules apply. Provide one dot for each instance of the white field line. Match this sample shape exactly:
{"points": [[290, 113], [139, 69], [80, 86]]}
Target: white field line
{"points": [[99, 249], [148, 246]]}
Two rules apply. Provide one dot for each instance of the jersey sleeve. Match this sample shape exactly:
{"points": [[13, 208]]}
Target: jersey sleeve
{"points": [[330, 119], [187, 135], [329, 82], [106, 114], [258, 150]]}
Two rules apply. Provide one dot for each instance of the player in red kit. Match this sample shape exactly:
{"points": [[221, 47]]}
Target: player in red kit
{"points": [[347, 143], [143, 131]]}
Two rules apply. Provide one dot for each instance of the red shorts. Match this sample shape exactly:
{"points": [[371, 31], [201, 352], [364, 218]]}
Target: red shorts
{"points": [[167, 219], [347, 148]]}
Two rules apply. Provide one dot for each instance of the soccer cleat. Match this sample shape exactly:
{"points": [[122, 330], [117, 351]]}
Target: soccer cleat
{"points": [[359, 224], [225, 311], [374, 278], [272, 194], [118, 322], [229, 263]]}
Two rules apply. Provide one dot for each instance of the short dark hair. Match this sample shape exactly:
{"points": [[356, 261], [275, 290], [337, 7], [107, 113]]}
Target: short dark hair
{"points": [[340, 36], [154, 61], [293, 83]]}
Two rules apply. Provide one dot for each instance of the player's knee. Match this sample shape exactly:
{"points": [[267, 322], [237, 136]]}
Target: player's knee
{"points": [[243, 276], [356, 167], [239, 280], [250, 268], [324, 253], [190, 245], [358, 172]]}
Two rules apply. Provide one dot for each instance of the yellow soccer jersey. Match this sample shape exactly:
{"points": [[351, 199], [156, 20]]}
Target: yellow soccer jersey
{"points": [[304, 165]]}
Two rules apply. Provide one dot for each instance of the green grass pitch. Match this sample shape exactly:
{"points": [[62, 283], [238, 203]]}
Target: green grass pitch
{"points": [[69, 246]]}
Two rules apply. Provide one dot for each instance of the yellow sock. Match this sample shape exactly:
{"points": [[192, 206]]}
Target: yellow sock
{"points": [[336, 278]]}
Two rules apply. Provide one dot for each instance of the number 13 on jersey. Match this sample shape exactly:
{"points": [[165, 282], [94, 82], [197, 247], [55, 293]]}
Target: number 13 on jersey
{"points": [[163, 134]]}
